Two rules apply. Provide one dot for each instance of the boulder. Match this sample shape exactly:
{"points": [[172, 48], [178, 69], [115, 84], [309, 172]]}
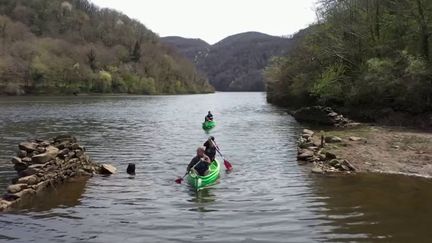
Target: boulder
{"points": [[16, 188], [108, 169], [4, 205], [50, 154], [334, 162], [22, 153], [20, 167], [41, 186], [348, 165], [16, 160], [25, 193], [333, 139], [40, 149], [322, 157], [305, 155], [355, 139], [330, 156], [31, 170], [317, 170], [309, 132], [29, 180], [79, 153], [27, 146]]}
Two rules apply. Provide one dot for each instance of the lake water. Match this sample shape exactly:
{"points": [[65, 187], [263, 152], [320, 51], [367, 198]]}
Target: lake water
{"points": [[267, 198]]}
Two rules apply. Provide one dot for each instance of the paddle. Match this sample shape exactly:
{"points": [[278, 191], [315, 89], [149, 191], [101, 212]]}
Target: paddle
{"points": [[180, 179], [227, 164]]}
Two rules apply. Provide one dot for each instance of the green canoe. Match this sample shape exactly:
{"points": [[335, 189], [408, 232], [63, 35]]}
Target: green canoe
{"points": [[199, 182], [207, 125]]}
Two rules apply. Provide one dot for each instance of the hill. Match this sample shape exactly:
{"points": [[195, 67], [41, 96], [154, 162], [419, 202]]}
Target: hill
{"points": [[236, 63], [58, 46]]}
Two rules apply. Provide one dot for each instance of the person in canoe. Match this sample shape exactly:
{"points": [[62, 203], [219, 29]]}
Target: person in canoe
{"points": [[210, 148], [200, 163], [209, 117]]}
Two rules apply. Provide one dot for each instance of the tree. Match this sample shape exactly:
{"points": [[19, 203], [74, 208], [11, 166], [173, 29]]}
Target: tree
{"points": [[91, 57], [136, 52]]}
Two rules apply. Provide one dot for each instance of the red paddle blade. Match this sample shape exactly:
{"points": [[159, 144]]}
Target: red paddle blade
{"points": [[179, 180], [228, 165]]}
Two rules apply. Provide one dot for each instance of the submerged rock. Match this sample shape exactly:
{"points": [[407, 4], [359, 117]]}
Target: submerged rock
{"points": [[108, 169]]}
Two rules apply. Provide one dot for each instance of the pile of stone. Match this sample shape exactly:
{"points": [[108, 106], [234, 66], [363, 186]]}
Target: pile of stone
{"points": [[44, 163], [312, 150], [323, 116]]}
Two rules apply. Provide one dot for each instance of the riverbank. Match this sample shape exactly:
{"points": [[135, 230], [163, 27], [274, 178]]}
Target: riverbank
{"points": [[48, 94], [368, 148]]}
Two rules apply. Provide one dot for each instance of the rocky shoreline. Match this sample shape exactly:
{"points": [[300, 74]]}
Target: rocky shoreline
{"points": [[313, 150], [367, 148], [41, 164]]}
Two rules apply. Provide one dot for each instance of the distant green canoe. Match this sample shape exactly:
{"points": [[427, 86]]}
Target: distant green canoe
{"points": [[200, 182], [207, 125]]}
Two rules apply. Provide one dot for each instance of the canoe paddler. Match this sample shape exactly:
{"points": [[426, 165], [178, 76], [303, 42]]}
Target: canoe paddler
{"points": [[209, 116], [200, 163], [210, 148]]}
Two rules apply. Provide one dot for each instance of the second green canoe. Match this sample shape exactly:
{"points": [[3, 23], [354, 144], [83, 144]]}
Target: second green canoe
{"points": [[199, 182], [207, 125]]}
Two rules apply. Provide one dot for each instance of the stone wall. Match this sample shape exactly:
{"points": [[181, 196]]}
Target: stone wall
{"points": [[44, 163]]}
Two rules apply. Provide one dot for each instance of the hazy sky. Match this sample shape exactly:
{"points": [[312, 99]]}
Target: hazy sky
{"points": [[213, 20]]}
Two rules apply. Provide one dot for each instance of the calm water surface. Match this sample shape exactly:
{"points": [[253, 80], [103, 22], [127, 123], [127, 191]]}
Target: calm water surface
{"points": [[267, 198]]}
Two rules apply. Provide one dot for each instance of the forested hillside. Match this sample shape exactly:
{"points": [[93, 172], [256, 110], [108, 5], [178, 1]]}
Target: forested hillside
{"points": [[57, 46], [360, 55], [236, 63]]}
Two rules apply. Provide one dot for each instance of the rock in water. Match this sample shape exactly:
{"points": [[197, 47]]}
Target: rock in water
{"points": [[305, 155], [317, 170], [131, 169], [108, 169]]}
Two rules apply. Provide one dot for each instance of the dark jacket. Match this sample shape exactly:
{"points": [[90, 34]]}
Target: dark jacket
{"points": [[201, 166], [210, 150], [209, 117]]}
